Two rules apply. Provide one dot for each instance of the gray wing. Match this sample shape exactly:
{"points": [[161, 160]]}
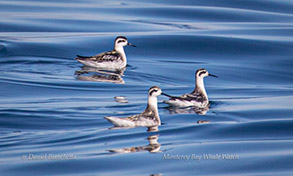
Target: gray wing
{"points": [[144, 120], [194, 96], [142, 116], [109, 56]]}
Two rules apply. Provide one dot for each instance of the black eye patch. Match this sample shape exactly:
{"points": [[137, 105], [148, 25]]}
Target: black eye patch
{"points": [[119, 41], [155, 90], [203, 72]]}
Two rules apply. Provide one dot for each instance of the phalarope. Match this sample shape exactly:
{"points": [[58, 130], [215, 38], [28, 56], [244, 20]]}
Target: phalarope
{"points": [[149, 118], [198, 97], [114, 60]]}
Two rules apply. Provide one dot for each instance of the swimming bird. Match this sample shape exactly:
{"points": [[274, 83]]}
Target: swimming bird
{"points": [[111, 60], [149, 118], [198, 97]]}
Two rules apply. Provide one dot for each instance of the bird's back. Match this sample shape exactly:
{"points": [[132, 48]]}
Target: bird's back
{"points": [[107, 60], [190, 99]]}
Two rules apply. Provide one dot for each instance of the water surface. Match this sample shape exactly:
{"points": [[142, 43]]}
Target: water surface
{"points": [[52, 119]]}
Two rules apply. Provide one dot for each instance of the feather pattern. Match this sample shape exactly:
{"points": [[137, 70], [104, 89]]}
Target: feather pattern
{"points": [[190, 99], [111, 59]]}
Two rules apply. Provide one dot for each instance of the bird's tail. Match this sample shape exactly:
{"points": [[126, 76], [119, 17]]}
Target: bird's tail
{"points": [[82, 58], [79, 56]]}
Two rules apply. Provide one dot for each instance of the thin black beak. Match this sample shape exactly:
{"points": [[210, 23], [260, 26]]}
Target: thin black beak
{"points": [[213, 75], [131, 44], [166, 95]]}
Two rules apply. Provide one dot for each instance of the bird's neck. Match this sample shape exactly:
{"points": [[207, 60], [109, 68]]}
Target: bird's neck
{"points": [[152, 108], [153, 103], [199, 87], [120, 49]]}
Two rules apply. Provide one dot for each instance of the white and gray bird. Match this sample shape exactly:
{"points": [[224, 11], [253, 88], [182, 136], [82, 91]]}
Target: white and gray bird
{"points": [[149, 118], [111, 60], [198, 97]]}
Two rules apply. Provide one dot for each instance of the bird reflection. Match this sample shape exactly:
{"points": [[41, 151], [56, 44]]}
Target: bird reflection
{"points": [[97, 75], [153, 147], [188, 110]]}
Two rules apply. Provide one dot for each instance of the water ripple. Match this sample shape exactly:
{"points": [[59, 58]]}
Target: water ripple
{"points": [[46, 110]]}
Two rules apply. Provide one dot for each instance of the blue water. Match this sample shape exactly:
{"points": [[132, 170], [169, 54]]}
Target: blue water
{"points": [[51, 119]]}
